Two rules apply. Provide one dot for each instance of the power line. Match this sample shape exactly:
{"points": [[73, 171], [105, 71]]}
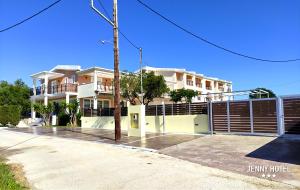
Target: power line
{"points": [[107, 14], [209, 42], [36, 14]]}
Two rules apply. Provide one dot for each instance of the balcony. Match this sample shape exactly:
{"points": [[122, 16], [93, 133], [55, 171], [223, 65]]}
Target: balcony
{"points": [[208, 88], [199, 85], [56, 89], [221, 88], [190, 82], [103, 87]]}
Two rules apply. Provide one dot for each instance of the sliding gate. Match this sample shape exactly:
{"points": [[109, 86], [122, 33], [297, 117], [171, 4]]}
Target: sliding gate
{"points": [[272, 115]]}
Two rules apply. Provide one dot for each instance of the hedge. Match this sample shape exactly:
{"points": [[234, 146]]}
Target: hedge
{"points": [[10, 114]]}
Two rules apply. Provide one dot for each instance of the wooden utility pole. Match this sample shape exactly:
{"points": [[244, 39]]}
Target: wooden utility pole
{"points": [[114, 23], [116, 73]]}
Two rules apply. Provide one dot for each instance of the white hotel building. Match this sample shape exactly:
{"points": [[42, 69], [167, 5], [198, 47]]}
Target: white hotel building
{"points": [[181, 78]]}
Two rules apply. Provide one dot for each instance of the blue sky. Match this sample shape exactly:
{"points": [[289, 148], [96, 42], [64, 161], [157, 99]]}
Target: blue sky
{"points": [[69, 33]]}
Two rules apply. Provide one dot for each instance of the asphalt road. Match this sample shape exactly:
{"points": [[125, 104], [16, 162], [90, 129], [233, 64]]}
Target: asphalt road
{"points": [[60, 163]]}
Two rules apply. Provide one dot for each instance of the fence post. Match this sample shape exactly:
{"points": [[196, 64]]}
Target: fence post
{"points": [[280, 116], [172, 109], [164, 113], [156, 110], [228, 116], [211, 118], [189, 108], [251, 116]]}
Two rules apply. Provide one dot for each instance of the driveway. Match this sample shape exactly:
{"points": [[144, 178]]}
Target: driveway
{"points": [[59, 163], [270, 158], [153, 141]]}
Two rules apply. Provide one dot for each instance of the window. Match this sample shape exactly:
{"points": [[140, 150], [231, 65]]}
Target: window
{"points": [[71, 79], [105, 103], [87, 103]]}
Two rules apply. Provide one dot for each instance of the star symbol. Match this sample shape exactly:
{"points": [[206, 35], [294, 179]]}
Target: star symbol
{"points": [[274, 175], [263, 175], [268, 175]]}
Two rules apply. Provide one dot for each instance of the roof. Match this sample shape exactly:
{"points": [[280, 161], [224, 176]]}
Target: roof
{"points": [[97, 69], [43, 74], [67, 67]]}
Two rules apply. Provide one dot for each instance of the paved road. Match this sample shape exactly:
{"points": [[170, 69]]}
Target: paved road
{"points": [[258, 156], [58, 163]]}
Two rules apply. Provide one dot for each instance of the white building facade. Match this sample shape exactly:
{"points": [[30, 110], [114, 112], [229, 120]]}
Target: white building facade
{"points": [[208, 88]]}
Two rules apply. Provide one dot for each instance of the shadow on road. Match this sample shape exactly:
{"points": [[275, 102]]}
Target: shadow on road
{"points": [[282, 149]]}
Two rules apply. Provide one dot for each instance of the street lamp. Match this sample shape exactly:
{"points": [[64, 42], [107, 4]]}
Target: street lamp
{"points": [[141, 66]]}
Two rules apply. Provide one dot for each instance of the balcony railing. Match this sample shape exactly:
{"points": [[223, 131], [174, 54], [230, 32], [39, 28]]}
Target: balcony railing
{"points": [[89, 112], [55, 89], [190, 82], [208, 88], [103, 87], [221, 88], [199, 85]]}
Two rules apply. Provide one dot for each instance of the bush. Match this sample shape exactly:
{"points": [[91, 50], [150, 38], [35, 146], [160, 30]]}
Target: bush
{"points": [[10, 114], [63, 119]]}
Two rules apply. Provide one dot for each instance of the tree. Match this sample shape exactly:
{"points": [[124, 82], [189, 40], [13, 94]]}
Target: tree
{"points": [[261, 93], [130, 87], [153, 87], [187, 94], [17, 93], [45, 111], [72, 110]]}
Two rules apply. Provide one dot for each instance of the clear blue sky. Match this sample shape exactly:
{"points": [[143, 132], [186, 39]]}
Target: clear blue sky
{"points": [[69, 33]]}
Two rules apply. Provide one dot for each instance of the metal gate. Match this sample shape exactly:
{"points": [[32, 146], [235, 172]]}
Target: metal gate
{"points": [[291, 112], [271, 115]]}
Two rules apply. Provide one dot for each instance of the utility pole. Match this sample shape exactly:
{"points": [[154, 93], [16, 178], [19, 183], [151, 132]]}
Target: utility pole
{"points": [[116, 73], [114, 23], [141, 73]]}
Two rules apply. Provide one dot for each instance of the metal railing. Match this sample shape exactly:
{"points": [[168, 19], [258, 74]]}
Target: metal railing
{"points": [[89, 112], [105, 87], [177, 109], [190, 82], [55, 89]]}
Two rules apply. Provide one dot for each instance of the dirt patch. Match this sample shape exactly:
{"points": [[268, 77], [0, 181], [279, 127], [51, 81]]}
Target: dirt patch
{"points": [[19, 174]]}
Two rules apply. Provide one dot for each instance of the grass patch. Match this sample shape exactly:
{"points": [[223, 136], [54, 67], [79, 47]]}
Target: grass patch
{"points": [[8, 178]]}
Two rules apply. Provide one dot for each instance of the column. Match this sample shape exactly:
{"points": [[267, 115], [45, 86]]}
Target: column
{"points": [[67, 98], [95, 80], [184, 80], [34, 87], [33, 113], [46, 90], [194, 82], [203, 83], [95, 102]]}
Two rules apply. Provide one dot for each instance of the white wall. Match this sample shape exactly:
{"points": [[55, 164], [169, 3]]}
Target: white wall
{"points": [[174, 124], [86, 90]]}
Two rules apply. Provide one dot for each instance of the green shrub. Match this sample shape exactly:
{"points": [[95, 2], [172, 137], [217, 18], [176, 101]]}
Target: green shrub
{"points": [[63, 119], [10, 114]]}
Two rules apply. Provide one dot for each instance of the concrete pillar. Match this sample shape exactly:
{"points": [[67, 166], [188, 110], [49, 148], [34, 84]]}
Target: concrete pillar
{"points": [[34, 87], [95, 102], [137, 121], [184, 80], [95, 80], [33, 113], [46, 90], [217, 86], [203, 83], [67, 98], [194, 81]]}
